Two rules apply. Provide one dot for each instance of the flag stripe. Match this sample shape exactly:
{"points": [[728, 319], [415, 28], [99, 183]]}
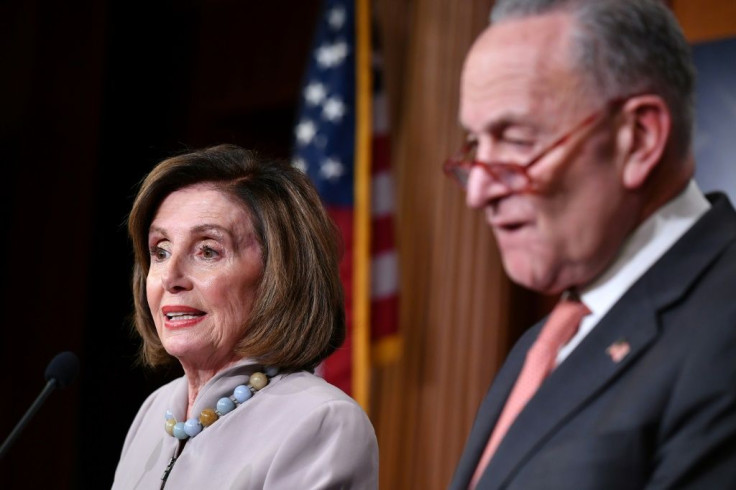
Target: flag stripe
{"points": [[381, 153], [385, 317], [383, 235], [380, 110], [382, 194], [384, 272]]}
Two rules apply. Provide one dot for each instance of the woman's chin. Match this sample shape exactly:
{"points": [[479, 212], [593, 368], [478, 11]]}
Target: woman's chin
{"points": [[185, 351], [197, 357]]}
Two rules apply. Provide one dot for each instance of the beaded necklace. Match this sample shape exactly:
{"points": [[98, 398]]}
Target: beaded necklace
{"points": [[225, 405]]}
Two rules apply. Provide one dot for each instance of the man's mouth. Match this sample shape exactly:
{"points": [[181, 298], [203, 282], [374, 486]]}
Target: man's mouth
{"points": [[508, 224], [511, 226]]}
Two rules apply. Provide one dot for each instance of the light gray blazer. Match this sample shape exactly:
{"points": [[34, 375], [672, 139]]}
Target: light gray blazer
{"points": [[299, 432]]}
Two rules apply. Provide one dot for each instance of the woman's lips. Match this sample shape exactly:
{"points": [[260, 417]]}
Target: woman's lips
{"points": [[180, 316]]}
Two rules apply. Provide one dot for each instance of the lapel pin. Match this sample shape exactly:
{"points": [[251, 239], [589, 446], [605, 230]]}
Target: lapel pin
{"points": [[618, 350]]}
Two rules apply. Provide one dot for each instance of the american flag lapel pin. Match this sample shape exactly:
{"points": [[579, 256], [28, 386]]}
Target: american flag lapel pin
{"points": [[618, 350]]}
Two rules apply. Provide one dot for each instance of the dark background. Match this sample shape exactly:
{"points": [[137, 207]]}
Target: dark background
{"points": [[92, 94]]}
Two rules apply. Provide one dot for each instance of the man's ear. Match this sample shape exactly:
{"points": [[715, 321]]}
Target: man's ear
{"points": [[649, 123]]}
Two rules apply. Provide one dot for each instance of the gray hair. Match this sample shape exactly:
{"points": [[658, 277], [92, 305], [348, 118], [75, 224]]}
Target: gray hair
{"points": [[623, 48]]}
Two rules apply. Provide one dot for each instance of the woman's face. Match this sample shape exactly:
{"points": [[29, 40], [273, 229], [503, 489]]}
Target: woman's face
{"points": [[206, 266]]}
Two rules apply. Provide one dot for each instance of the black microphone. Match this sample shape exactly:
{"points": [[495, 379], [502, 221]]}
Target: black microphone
{"points": [[60, 372]]}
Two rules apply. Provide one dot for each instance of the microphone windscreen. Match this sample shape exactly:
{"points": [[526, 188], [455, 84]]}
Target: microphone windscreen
{"points": [[63, 368]]}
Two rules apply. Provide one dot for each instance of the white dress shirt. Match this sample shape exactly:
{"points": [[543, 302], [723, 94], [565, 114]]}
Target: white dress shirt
{"points": [[641, 250]]}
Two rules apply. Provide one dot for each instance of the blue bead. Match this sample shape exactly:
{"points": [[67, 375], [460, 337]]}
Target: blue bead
{"points": [[168, 415], [192, 427], [272, 371], [242, 393], [225, 405], [179, 432]]}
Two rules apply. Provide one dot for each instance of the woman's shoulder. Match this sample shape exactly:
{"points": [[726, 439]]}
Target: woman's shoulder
{"points": [[302, 405], [309, 387], [309, 393]]}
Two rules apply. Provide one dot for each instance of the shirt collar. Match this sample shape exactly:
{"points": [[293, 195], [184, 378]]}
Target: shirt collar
{"points": [[644, 247]]}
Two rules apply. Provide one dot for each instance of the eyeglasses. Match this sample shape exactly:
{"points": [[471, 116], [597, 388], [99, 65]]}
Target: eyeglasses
{"points": [[513, 175]]}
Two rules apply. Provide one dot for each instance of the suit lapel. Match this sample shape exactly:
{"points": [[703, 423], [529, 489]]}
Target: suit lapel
{"points": [[490, 410], [559, 399], [591, 367]]}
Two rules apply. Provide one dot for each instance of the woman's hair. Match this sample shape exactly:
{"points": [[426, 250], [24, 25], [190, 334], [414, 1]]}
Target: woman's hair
{"points": [[298, 316]]}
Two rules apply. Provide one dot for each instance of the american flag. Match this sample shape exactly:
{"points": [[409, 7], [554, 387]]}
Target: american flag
{"points": [[325, 149]]}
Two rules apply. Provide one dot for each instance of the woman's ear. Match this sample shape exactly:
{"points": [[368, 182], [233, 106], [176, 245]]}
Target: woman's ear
{"points": [[649, 123]]}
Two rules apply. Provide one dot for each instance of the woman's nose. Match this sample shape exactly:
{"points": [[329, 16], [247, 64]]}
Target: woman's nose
{"points": [[175, 277]]}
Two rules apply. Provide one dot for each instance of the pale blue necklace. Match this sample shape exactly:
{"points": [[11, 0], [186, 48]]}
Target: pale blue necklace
{"points": [[241, 394]]}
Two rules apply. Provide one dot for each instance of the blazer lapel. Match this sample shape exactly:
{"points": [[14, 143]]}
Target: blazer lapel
{"points": [[591, 366]]}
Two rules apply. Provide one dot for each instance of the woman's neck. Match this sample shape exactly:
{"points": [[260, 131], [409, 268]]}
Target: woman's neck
{"points": [[196, 379]]}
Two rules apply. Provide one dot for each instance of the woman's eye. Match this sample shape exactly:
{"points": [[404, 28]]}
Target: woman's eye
{"points": [[209, 252], [158, 254]]}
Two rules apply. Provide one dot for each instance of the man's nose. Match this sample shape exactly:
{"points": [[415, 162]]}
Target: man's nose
{"points": [[483, 187]]}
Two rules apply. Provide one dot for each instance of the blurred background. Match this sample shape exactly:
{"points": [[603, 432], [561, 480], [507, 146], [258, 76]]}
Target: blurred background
{"points": [[93, 93]]}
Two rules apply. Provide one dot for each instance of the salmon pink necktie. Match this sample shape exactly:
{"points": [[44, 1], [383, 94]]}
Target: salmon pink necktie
{"points": [[561, 325]]}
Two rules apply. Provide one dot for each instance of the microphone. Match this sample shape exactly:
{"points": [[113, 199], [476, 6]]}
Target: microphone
{"points": [[62, 369], [60, 373]]}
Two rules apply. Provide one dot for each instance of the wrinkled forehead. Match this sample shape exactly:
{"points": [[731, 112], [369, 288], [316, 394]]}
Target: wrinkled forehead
{"points": [[538, 42], [521, 60]]}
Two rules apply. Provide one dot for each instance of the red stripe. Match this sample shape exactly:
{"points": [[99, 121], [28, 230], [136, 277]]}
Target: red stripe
{"points": [[338, 367], [381, 148], [384, 317], [382, 238]]}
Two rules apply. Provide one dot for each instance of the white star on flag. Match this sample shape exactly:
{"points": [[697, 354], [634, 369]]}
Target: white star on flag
{"points": [[333, 109], [305, 132], [299, 164], [331, 169], [315, 93], [336, 17], [340, 49], [332, 54]]}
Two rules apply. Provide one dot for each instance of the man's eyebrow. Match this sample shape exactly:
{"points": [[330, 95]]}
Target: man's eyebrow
{"points": [[504, 121]]}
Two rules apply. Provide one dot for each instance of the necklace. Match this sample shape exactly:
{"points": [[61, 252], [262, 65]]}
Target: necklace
{"points": [[225, 405]]}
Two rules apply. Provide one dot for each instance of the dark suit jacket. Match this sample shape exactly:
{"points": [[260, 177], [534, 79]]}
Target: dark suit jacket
{"points": [[662, 417]]}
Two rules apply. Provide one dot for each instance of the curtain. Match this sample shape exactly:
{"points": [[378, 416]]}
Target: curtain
{"points": [[456, 316]]}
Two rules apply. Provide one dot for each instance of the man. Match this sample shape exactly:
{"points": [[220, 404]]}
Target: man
{"points": [[579, 115]]}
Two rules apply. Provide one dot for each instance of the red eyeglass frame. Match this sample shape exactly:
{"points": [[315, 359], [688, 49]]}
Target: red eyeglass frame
{"points": [[458, 167]]}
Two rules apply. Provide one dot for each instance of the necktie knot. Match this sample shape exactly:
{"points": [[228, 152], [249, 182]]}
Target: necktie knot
{"points": [[562, 323]]}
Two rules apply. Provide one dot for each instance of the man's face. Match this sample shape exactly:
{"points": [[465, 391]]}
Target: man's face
{"points": [[519, 91]]}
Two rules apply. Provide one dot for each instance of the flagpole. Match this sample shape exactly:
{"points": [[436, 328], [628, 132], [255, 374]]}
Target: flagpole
{"points": [[362, 277]]}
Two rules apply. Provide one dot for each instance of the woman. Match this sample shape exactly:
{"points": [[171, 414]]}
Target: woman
{"points": [[236, 278]]}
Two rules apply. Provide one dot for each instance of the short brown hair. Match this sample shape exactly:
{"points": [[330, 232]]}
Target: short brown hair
{"points": [[298, 316]]}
